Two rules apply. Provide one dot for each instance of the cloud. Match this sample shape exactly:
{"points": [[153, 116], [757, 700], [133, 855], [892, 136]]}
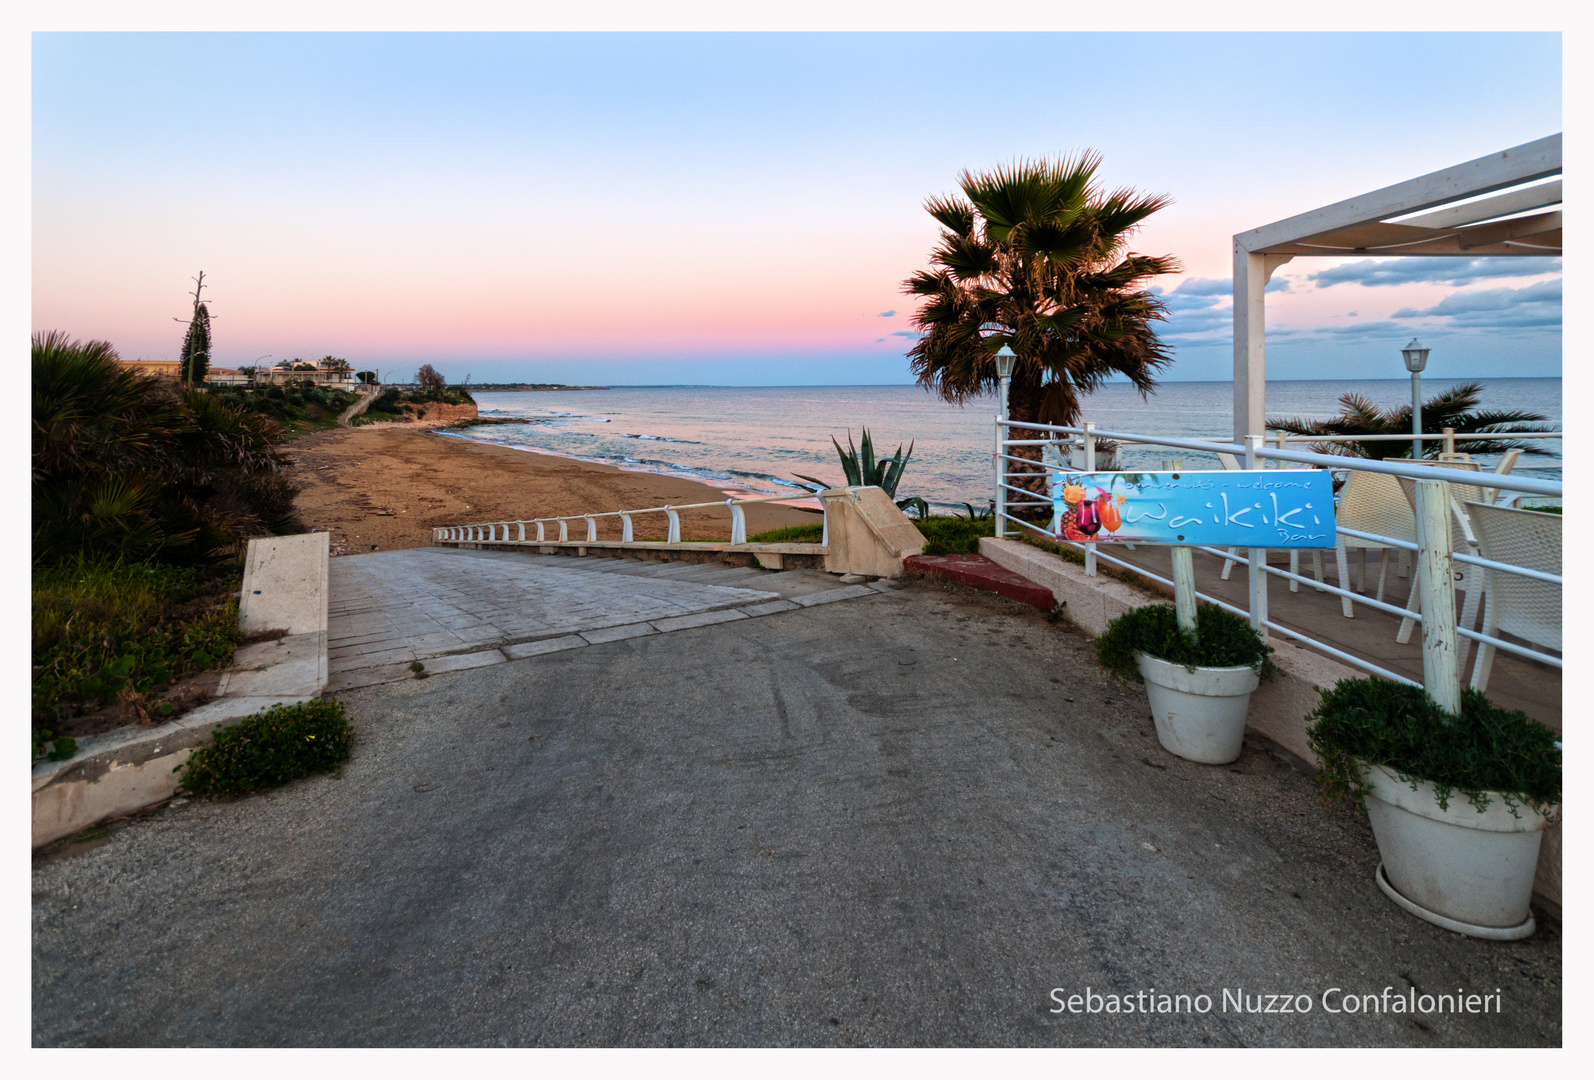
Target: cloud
{"points": [[1532, 305], [904, 333], [1435, 271], [886, 314]]}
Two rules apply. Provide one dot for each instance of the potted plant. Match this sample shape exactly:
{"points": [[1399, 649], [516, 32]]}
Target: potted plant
{"points": [[1458, 804], [1199, 684]]}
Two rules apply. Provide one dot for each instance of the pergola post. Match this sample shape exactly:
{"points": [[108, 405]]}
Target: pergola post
{"points": [[1251, 275]]}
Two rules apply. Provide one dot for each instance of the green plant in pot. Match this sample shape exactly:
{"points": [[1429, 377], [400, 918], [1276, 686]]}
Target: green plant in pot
{"points": [[1458, 803], [1198, 678]]}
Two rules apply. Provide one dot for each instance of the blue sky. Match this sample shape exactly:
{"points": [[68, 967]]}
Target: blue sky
{"points": [[738, 208]]}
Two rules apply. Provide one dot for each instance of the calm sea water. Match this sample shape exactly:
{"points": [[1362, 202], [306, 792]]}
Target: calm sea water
{"points": [[752, 439]]}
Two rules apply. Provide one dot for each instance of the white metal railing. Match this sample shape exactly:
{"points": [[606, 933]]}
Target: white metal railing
{"points": [[488, 532], [1432, 491]]}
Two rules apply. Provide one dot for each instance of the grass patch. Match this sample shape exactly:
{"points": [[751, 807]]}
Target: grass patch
{"points": [[949, 534], [105, 630], [791, 534], [271, 748], [1485, 749], [1222, 639]]}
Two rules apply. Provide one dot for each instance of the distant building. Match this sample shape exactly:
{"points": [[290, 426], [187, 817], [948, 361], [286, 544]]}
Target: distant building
{"points": [[171, 369], [168, 368], [335, 380]]}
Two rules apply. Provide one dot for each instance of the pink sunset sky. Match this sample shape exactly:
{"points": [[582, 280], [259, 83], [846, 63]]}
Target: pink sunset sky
{"points": [[735, 208]]}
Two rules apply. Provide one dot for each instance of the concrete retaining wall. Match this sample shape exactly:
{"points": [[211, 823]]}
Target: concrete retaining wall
{"points": [[1279, 706], [866, 533], [285, 588]]}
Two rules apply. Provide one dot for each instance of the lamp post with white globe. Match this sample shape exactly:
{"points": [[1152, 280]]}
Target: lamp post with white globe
{"points": [[1416, 358], [1006, 360]]}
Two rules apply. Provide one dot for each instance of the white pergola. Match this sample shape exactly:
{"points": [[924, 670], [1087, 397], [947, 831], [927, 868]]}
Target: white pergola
{"points": [[1392, 221]]}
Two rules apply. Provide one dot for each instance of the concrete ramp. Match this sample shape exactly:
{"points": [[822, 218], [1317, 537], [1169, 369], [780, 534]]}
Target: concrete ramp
{"points": [[452, 608]]}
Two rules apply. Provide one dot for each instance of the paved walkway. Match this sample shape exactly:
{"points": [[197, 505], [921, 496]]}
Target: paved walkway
{"points": [[459, 608], [898, 821]]}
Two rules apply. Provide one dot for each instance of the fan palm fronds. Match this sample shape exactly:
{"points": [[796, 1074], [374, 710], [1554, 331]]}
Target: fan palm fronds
{"points": [[1455, 408], [1036, 249]]}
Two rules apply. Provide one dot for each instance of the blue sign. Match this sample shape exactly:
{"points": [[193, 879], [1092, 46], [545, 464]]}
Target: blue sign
{"points": [[1283, 508]]}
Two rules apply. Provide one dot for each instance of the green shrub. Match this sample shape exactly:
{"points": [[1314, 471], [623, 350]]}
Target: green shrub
{"points": [[1485, 749], [949, 534], [271, 748], [102, 628], [1222, 639], [791, 534]]}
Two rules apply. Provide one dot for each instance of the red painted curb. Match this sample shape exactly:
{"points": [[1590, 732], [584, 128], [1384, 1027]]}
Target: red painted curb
{"points": [[982, 573]]}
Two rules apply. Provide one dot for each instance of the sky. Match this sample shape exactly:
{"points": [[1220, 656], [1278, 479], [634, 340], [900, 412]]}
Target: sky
{"points": [[739, 208]]}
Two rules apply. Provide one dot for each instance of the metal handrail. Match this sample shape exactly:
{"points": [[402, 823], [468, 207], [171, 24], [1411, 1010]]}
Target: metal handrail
{"points": [[1505, 481], [1255, 450], [487, 531]]}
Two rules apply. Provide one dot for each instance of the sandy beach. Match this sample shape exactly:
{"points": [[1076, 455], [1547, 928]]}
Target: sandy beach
{"points": [[383, 488]]}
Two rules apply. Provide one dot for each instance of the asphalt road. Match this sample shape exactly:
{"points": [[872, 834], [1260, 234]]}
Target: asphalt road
{"points": [[900, 820]]}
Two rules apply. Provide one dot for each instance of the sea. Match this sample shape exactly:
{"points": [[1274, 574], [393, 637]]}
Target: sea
{"points": [[754, 441]]}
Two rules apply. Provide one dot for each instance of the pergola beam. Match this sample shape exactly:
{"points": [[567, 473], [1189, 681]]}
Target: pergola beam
{"points": [[1518, 165], [1452, 231]]}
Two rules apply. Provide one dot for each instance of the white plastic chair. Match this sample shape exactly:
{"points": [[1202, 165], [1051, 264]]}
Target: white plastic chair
{"points": [[1370, 502], [1517, 605]]}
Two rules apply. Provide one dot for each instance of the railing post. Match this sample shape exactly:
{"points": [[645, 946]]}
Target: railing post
{"points": [[1450, 440], [1090, 467], [522, 525], [1257, 557], [625, 528], [738, 522], [675, 526], [1000, 465], [592, 529], [1441, 667], [564, 530], [540, 537]]}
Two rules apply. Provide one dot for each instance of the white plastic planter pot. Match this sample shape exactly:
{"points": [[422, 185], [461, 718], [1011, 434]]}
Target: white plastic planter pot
{"points": [[1200, 712], [1466, 871]]}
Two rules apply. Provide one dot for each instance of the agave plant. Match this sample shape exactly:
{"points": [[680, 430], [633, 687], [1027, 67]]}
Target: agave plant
{"points": [[862, 469]]}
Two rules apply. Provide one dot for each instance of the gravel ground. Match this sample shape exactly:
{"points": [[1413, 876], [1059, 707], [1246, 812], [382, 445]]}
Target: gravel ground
{"points": [[902, 820]]}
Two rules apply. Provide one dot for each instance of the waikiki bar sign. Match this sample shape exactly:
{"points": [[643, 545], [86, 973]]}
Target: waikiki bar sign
{"points": [[1282, 508]]}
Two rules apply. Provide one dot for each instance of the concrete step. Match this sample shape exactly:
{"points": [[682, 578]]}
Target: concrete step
{"points": [[982, 573]]}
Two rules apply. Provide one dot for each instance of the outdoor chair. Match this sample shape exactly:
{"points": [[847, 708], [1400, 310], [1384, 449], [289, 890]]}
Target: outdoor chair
{"points": [[1513, 604], [1467, 578], [1232, 464], [1373, 503]]}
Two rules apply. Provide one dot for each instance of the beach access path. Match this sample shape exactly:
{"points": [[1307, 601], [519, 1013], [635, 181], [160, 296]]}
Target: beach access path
{"points": [[899, 820], [384, 488]]}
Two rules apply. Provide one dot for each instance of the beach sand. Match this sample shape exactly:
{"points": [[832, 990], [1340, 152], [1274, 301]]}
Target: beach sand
{"points": [[383, 488]]}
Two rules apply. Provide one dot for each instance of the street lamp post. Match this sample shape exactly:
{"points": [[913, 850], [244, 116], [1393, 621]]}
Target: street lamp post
{"points": [[1416, 358], [1006, 360]]}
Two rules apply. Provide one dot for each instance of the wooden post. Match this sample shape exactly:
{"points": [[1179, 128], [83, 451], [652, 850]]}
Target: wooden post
{"points": [[1184, 604], [1090, 467], [1257, 557], [1441, 667]]}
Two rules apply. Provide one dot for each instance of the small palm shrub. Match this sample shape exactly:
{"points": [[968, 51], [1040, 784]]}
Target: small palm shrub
{"points": [[1485, 749], [271, 748], [1222, 639]]}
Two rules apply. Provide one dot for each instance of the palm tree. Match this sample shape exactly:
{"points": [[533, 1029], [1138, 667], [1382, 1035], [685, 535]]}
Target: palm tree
{"points": [[1455, 408], [1039, 251]]}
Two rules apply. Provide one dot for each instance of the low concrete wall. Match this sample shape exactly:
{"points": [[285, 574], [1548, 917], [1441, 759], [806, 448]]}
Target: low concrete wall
{"points": [[866, 533], [1279, 706], [285, 588]]}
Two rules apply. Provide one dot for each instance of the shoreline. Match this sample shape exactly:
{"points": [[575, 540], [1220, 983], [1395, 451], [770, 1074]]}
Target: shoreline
{"points": [[383, 487]]}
